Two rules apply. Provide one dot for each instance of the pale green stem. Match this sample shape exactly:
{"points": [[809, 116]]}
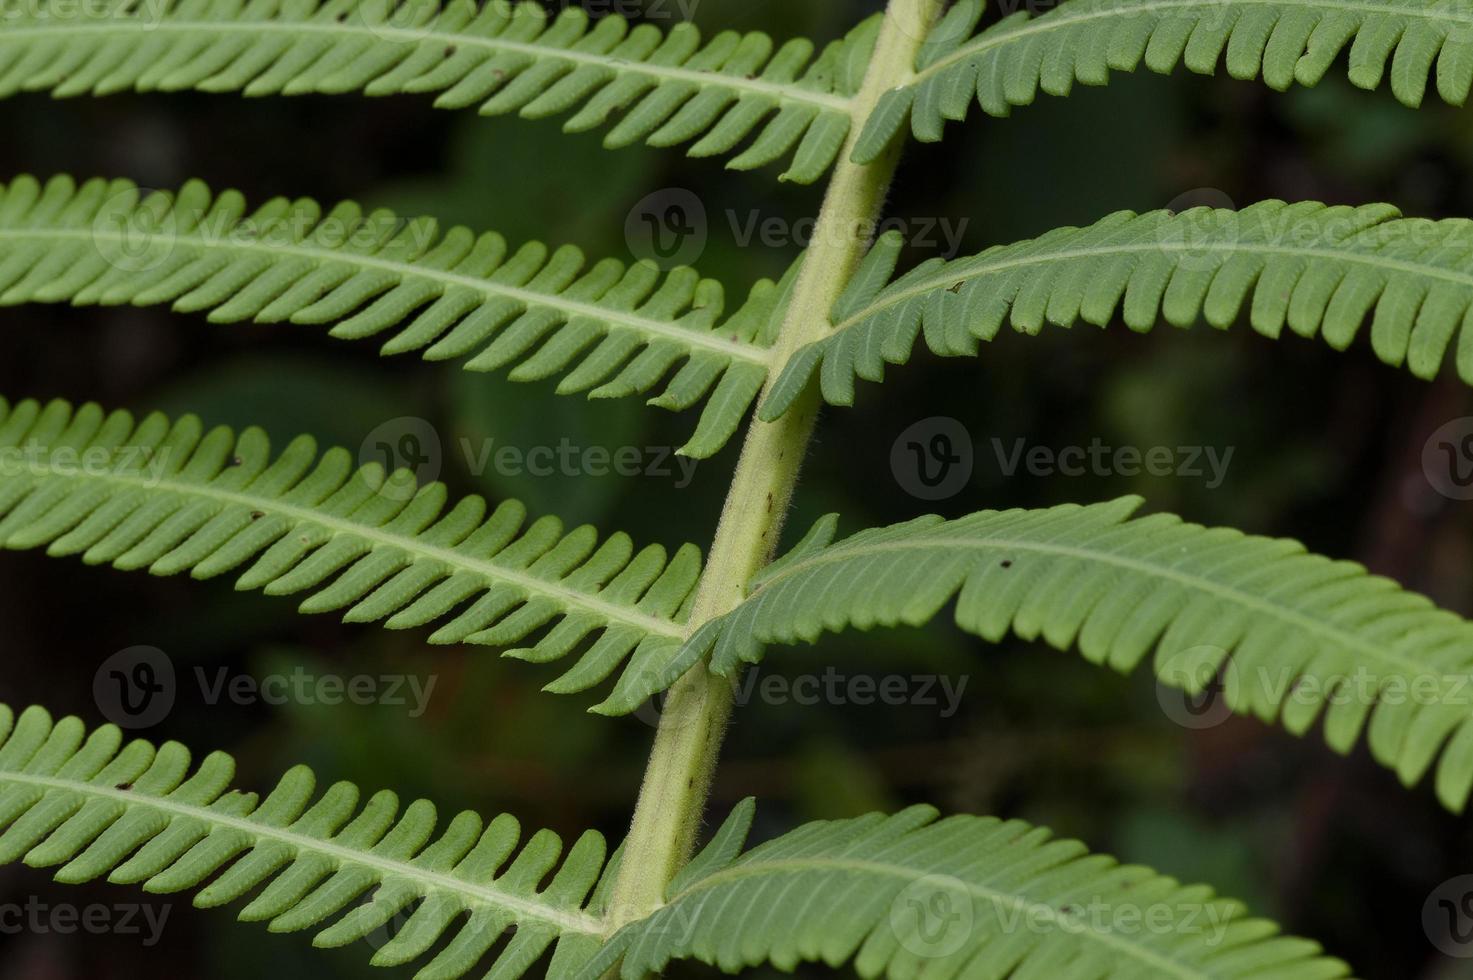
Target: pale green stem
{"points": [[678, 779]]}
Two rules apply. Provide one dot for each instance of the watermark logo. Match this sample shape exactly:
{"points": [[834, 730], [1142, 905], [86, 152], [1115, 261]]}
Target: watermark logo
{"points": [[399, 20], [933, 916], [1447, 459], [1206, 220], [668, 227], [1192, 686], [1447, 917], [408, 448], [392, 910], [932, 459], [918, 22], [134, 235], [135, 688]]}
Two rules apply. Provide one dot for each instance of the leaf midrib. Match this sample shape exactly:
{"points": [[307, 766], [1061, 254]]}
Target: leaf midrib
{"points": [[574, 308], [998, 898], [564, 921], [1063, 19], [954, 275], [926, 542], [828, 102], [377, 537]]}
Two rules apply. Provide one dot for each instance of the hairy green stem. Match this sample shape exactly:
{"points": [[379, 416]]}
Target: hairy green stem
{"points": [[673, 796]]}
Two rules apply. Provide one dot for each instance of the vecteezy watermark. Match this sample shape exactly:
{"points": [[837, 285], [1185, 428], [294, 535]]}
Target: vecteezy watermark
{"points": [[935, 916], [146, 463], [138, 687], [301, 686], [410, 451], [569, 459], [671, 227], [148, 12], [932, 459], [667, 227], [939, 236], [1363, 686], [833, 687], [1199, 684], [1447, 917], [1447, 459], [38, 917], [138, 230], [1207, 463], [635, 10]]}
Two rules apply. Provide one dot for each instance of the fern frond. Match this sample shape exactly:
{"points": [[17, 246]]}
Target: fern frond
{"points": [[172, 497], [665, 89], [1294, 636], [610, 330], [1283, 41], [91, 806], [908, 895], [1317, 270]]}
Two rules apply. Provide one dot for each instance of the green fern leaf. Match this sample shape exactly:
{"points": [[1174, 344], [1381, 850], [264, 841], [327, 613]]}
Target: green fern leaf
{"points": [[908, 895], [1283, 41], [665, 88], [171, 498], [1317, 270], [1292, 636], [91, 806], [610, 330]]}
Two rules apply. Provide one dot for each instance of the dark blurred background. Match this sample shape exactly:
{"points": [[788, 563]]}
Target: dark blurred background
{"points": [[1326, 447]]}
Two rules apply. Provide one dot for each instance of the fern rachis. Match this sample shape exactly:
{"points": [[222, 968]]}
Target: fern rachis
{"points": [[172, 496]]}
